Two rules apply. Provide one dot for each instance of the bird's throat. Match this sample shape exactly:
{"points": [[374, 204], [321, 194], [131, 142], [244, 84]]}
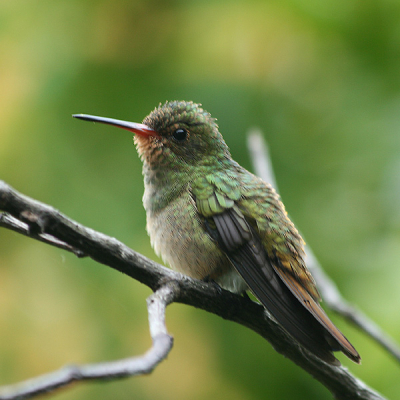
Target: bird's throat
{"points": [[162, 186]]}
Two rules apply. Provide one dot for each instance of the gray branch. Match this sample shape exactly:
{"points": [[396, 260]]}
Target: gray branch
{"points": [[42, 222], [329, 291], [162, 344]]}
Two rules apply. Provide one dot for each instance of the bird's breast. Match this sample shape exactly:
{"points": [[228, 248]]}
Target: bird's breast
{"points": [[178, 235]]}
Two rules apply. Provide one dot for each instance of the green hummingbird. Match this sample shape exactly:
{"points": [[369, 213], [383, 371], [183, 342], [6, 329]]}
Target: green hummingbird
{"points": [[211, 219]]}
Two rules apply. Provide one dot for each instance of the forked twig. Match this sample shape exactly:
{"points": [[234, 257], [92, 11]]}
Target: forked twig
{"points": [[162, 344]]}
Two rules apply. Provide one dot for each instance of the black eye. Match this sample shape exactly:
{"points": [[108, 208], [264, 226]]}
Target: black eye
{"points": [[180, 134]]}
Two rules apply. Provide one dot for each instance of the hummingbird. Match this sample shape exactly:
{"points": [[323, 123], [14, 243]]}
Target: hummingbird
{"points": [[211, 219]]}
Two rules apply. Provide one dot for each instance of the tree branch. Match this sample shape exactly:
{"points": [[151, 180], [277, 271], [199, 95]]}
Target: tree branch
{"points": [[329, 291], [9, 222], [42, 221], [162, 344]]}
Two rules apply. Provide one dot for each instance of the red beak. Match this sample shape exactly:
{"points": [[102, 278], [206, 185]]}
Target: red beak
{"points": [[138, 129]]}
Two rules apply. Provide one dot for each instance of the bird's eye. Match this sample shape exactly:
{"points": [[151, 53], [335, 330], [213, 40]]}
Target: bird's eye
{"points": [[180, 134]]}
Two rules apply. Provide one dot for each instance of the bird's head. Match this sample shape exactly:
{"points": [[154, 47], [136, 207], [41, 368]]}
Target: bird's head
{"points": [[176, 134]]}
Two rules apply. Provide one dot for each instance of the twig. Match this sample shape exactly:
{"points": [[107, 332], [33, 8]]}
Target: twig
{"points": [[335, 301], [9, 222], [42, 218], [162, 344], [259, 155], [329, 291]]}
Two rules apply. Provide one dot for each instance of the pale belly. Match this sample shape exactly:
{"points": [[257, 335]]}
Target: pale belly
{"points": [[178, 236]]}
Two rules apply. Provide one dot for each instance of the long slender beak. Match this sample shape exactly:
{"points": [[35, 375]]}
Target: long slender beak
{"points": [[139, 129]]}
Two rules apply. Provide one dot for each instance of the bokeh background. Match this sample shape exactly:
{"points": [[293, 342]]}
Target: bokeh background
{"points": [[321, 79]]}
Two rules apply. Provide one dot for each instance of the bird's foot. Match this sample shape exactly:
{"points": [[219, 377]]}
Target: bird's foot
{"points": [[211, 281]]}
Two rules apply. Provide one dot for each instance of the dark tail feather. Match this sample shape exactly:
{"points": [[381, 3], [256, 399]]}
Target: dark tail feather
{"points": [[284, 307]]}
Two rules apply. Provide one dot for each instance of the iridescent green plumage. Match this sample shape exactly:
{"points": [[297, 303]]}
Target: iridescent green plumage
{"points": [[210, 218]]}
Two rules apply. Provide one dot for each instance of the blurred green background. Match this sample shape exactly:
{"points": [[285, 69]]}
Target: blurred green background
{"points": [[321, 79]]}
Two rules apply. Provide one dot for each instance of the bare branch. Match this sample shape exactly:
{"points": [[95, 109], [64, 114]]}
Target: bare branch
{"points": [[9, 222], [43, 219], [335, 301], [259, 155], [329, 291], [162, 344]]}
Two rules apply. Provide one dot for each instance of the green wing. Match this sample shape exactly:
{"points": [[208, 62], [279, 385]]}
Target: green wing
{"points": [[266, 259]]}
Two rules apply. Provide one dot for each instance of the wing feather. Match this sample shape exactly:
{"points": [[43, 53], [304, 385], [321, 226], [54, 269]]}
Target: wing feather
{"points": [[290, 304], [335, 338]]}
